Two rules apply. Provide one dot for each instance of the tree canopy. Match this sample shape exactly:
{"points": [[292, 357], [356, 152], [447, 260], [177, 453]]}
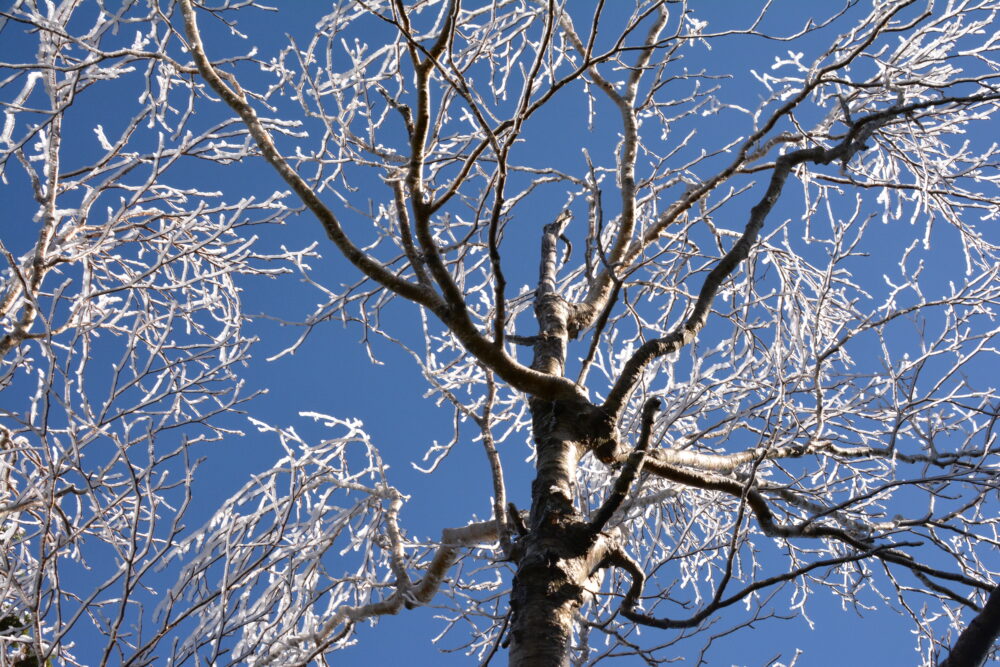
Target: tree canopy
{"points": [[726, 274]]}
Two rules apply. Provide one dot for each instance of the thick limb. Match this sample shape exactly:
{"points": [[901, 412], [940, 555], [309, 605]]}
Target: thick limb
{"points": [[979, 637]]}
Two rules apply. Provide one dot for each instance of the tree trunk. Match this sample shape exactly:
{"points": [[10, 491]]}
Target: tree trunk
{"points": [[548, 588], [559, 558]]}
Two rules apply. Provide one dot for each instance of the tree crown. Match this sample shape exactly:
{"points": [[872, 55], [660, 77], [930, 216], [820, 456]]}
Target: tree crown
{"points": [[732, 275]]}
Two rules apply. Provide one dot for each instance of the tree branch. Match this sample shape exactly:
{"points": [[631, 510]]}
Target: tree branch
{"points": [[766, 520], [452, 541], [551, 309], [976, 642], [632, 468], [631, 598], [236, 100], [747, 150], [451, 310], [853, 142]]}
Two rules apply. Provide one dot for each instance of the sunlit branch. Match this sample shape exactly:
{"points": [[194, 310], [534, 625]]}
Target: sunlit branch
{"points": [[40, 264], [452, 541], [551, 309], [496, 467], [854, 141], [451, 309], [499, 199], [807, 529], [600, 292], [406, 235], [235, 98], [750, 146]]}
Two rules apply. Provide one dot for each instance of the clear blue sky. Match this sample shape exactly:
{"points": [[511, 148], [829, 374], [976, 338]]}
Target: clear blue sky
{"points": [[331, 372]]}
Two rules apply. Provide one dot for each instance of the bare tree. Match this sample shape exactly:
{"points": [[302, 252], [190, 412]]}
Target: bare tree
{"points": [[754, 350]]}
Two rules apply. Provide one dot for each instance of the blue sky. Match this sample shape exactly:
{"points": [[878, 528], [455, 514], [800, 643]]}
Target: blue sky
{"points": [[331, 372]]}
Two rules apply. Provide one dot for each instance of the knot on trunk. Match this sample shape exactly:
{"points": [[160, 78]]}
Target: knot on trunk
{"points": [[589, 426]]}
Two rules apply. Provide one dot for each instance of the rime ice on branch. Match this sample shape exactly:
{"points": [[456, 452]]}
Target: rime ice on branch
{"points": [[732, 276]]}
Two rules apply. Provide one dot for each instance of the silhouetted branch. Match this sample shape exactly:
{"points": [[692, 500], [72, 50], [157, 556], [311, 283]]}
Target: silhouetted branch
{"points": [[631, 598], [976, 642], [631, 469]]}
